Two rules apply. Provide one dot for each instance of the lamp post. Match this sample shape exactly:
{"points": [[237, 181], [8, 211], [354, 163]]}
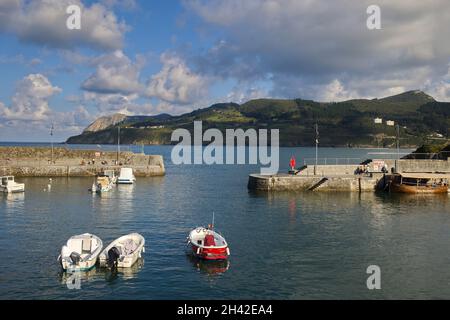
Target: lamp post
{"points": [[118, 144], [397, 129], [51, 140], [316, 127]]}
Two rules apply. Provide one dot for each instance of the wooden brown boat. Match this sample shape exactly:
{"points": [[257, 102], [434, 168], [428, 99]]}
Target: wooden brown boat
{"points": [[415, 183]]}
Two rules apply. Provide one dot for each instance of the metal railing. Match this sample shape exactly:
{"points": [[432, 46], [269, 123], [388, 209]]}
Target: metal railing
{"points": [[421, 155], [330, 161]]}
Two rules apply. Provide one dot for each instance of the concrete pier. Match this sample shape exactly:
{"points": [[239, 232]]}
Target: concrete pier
{"points": [[37, 162], [285, 182], [343, 177]]}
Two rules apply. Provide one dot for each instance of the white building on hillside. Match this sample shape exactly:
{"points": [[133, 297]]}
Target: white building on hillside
{"points": [[390, 123], [378, 120]]}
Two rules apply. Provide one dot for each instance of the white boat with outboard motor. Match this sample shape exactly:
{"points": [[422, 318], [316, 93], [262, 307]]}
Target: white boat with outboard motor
{"points": [[101, 184], [80, 253], [123, 252], [8, 185], [208, 244]]}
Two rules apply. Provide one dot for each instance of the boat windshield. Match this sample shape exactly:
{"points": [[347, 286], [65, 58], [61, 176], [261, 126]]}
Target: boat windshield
{"points": [[6, 179]]}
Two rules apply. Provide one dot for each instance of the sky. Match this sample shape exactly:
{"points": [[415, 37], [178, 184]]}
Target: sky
{"points": [[151, 57]]}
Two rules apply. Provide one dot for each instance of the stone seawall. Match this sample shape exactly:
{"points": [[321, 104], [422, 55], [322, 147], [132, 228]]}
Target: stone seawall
{"points": [[403, 165], [343, 177], [430, 166], [39, 162], [285, 182]]}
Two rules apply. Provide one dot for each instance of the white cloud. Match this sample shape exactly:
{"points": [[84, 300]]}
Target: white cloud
{"points": [[439, 89], [334, 91], [44, 23], [115, 86], [313, 43], [115, 73], [239, 94], [176, 83], [111, 103], [30, 102], [74, 120], [30, 112]]}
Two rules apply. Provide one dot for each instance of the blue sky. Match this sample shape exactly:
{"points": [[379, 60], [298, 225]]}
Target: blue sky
{"points": [[150, 57]]}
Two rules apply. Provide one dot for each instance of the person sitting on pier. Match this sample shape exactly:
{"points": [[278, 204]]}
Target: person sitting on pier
{"points": [[366, 169]]}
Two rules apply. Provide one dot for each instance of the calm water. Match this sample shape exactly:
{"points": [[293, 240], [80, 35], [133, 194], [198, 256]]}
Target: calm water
{"points": [[283, 245]]}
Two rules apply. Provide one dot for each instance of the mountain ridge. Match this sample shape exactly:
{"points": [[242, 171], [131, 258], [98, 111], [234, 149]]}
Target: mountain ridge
{"points": [[345, 123]]}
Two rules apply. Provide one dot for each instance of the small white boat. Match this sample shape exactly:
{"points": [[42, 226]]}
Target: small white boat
{"points": [[80, 253], [8, 185], [102, 184], [126, 176], [123, 252]]}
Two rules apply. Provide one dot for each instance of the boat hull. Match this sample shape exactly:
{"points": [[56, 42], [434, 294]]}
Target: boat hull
{"points": [[15, 189], [127, 260], [210, 253], [126, 176], [121, 181], [87, 259], [12, 187], [83, 266], [218, 250], [402, 188]]}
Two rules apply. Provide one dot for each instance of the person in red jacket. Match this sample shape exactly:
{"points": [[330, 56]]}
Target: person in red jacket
{"points": [[292, 163]]}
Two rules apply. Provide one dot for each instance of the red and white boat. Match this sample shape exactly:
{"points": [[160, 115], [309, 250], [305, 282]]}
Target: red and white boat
{"points": [[207, 244]]}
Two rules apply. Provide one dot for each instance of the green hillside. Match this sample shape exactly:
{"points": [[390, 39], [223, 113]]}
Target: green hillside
{"points": [[349, 123]]}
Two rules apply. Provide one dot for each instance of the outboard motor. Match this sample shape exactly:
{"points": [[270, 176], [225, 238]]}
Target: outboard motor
{"points": [[75, 257], [113, 256]]}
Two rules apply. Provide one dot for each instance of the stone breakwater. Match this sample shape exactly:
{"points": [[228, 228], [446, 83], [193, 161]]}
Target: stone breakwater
{"points": [[343, 177], [285, 182], [39, 162]]}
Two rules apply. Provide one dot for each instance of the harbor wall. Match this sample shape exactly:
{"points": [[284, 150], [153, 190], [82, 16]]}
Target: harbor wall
{"points": [[39, 162], [343, 177], [429, 166], [286, 182], [402, 165]]}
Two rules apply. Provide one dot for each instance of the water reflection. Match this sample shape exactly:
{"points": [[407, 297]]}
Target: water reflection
{"points": [[210, 268], [420, 200], [126, 190], [14, 200], [126, 195], [124, 273], [75, 280]]}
